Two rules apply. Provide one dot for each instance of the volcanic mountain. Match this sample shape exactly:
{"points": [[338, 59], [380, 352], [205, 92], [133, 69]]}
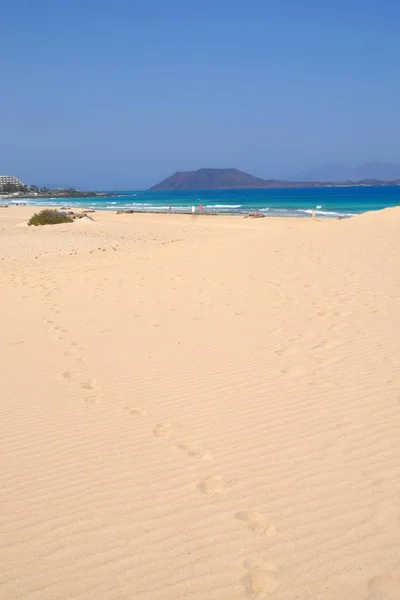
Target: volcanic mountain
{"points": [[210, 179], [220, 179]]}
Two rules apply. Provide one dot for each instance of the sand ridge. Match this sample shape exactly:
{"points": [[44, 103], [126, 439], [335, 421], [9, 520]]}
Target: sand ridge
{"points": [[200, 408]]}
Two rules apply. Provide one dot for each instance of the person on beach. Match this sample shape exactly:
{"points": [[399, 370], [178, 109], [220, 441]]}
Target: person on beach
{"points": [[193, 210], [314, 214]]}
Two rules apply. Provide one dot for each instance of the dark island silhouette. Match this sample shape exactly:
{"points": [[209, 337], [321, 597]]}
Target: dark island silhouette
{"points": [[225, 179]]}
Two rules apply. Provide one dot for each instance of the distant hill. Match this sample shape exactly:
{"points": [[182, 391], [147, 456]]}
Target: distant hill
{"points": [[210, 179], [337, 173], [220, 179], [225, 179]]}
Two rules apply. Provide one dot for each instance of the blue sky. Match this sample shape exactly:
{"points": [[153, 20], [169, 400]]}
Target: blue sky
{"points": [[121, 94]]}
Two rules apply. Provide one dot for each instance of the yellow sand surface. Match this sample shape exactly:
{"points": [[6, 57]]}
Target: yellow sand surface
{"points": [[203, 408]]}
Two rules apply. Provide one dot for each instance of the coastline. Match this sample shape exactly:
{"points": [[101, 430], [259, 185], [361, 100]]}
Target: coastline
{"points": [[250, 213], [299, 203], [175, 211]]}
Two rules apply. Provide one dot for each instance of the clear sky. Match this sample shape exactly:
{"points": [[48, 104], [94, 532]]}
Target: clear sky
{"points": [[120, 94]]}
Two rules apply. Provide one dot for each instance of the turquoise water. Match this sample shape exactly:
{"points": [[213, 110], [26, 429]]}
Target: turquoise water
{"points": [[328, 201]]}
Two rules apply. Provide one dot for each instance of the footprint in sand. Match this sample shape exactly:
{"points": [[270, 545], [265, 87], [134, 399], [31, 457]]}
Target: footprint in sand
{"points": [[93, 399], [295, 371], [256, 522], [81, 359], [71, 352], [287, 351], [91, 384], [195, 452], [140, 412], [384, 587], [211, 486], [261, 578], [70, 375], [162, 429]]}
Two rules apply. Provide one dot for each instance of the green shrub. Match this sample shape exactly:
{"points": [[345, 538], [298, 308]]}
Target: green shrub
{"points": [[49, 217]]}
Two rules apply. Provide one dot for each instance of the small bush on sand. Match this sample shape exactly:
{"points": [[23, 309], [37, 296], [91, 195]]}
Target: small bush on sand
{"points": [[49, 217]]}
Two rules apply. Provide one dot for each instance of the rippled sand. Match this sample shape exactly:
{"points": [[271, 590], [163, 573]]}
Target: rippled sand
{"points": [[201, 408]]}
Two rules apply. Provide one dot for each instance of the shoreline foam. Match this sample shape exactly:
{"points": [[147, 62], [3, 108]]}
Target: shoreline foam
{"points": [[328, 203]]}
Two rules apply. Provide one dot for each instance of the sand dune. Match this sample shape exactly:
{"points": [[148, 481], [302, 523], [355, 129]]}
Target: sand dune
{"points": [[201, 408]]}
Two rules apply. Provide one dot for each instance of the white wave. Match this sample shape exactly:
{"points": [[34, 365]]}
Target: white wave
{"points": [[146, 207], [223, 205], [310, 211], [136, 205], [331, 213], [160, 207]]}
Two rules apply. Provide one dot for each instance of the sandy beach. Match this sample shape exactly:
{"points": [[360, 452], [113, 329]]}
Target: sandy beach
{"points": [[200, 408]]}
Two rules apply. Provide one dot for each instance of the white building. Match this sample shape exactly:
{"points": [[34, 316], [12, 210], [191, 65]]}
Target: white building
{"points": [[7, 179]]}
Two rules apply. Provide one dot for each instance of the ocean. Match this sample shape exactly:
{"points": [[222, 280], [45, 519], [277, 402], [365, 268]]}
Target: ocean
{"points": [[327, 201]]}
